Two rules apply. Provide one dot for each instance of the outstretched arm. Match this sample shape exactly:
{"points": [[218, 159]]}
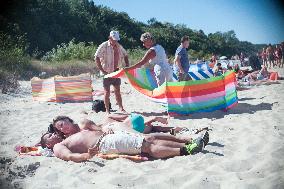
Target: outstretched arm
{"points": [[62, 152], [89, 125], [118, 117], [150, 120], [150, 54], [164, 129]]}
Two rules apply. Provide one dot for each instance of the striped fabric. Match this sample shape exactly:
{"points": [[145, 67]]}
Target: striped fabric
{"points": [[186, 97], [62, 89], [200, 71], [197, 71]]}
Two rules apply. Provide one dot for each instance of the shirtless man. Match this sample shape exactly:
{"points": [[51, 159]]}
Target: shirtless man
{"points": [[85, 144], [269, 54]]}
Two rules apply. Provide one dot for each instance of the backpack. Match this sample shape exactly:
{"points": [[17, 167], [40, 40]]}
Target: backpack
{"points": [[99, 106]]}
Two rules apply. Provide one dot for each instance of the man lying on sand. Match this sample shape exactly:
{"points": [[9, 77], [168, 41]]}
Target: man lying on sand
{"points": [[84, 144]]}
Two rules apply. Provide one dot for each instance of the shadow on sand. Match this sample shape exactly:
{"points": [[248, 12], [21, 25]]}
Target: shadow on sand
{"points": [[216, 144], [241, 108]]}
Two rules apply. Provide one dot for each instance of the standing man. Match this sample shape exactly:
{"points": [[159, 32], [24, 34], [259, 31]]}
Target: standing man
{"points": [[181, 59], [242, 58], [264, 57], [109, 57], [269, 54]]}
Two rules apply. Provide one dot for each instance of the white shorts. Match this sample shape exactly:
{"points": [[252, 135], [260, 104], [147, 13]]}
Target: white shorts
{"points": [[163, 74], [121, 143]]}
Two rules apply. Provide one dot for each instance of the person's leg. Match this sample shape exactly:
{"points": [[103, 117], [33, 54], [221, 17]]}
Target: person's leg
{"points": [[269, 61], [168, 137], [167, 143], [166, 149], [160, 78], [106, 85], [180, 77], [188, 78], [118, 96], [168, 74], [158, 151]]}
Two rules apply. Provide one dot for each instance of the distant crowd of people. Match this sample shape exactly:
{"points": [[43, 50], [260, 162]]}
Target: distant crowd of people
{"points": [[272, 56]]}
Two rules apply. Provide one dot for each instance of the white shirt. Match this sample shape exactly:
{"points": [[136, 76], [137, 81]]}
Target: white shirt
{"points": [[160, 58], [106, 55]]}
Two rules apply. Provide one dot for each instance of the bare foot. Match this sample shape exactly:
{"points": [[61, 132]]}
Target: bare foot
{"points": [[122, 110]]}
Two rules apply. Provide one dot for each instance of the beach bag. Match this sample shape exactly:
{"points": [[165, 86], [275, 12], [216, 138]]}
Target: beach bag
{"points": [[99, 106], [273, 76]]}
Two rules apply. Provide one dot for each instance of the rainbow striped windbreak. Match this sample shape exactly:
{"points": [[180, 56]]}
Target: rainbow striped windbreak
{"points": [[63, 89], [186, 97]]}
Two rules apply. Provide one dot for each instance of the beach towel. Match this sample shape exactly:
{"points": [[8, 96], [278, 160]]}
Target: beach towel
{"points": [[62, 89], [34, 151], [186, 97]]}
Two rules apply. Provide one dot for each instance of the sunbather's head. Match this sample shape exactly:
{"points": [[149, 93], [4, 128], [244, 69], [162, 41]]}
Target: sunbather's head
{"points": [[48, 140], [64, 126], [264, 71]]}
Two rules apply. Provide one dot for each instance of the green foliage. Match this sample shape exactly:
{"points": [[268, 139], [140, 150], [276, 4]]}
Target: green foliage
{"points": [[12, 52], [135, 55], [65, 68], [71, 51], [50, 23], [13, 61]]}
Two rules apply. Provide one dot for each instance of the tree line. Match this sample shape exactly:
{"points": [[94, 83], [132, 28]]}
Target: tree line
{"points": [[45, 24]]}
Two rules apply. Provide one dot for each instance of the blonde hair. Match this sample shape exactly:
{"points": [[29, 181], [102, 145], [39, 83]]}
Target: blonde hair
{"points": [[147, 35]]}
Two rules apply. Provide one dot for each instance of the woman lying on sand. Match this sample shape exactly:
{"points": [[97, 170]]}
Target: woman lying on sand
{"points": [[263, 74], [136, 123], [81, 145], [257, 78]]}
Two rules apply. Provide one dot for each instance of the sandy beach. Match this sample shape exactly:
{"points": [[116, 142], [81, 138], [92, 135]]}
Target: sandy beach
{"points": [[246, 147]]}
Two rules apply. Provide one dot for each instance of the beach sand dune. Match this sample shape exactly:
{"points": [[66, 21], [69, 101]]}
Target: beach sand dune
{"points": [[246, 147]]}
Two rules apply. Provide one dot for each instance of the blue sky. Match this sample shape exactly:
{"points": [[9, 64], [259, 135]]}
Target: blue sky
{"points": [[256, 21]]}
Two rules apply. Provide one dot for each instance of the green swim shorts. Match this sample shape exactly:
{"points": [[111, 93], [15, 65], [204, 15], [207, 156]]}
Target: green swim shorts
{"points": [[137, 122]]}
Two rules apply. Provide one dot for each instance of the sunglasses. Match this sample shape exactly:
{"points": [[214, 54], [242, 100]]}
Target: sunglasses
{"points": [[52, 129]]}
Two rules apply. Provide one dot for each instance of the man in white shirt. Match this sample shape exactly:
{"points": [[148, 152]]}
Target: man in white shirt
{"points": [[109, 57]]}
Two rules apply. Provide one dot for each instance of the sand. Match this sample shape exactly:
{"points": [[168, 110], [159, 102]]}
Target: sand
{"points": [[246, 147]]}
